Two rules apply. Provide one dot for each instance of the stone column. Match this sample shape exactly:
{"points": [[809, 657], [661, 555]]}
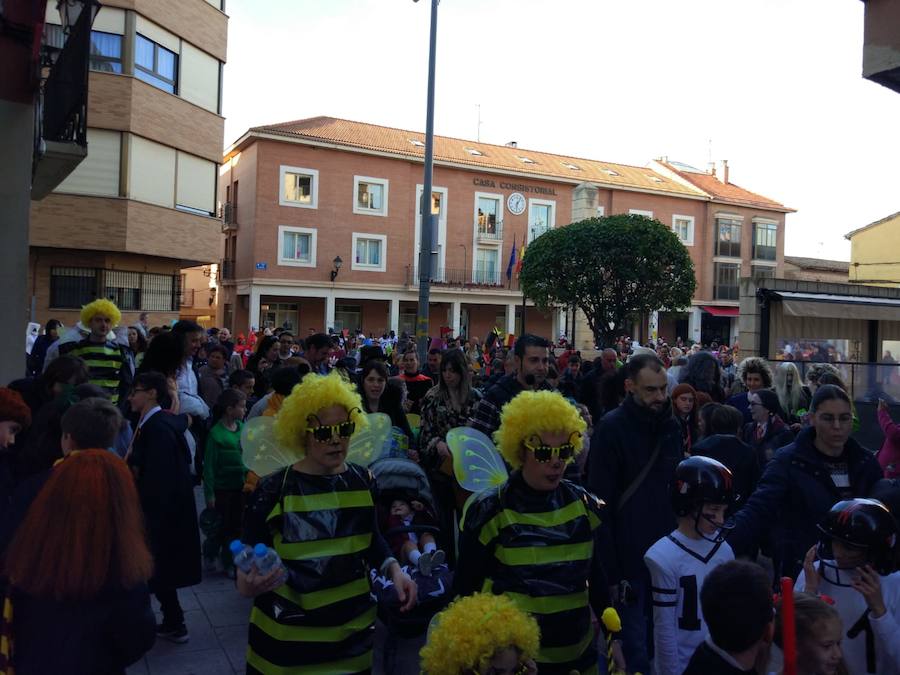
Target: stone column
{"points": [[694, 322], [253, 316], [329, 311], [394, 319], [455, 317], [510, 319]]}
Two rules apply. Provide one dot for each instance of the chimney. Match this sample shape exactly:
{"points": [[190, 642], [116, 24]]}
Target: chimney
{"points": [[512, 144], [725, 171], [712, 169]]}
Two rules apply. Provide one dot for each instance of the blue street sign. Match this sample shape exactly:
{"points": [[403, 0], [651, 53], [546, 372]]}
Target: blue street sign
{"points": [[262, 265]]}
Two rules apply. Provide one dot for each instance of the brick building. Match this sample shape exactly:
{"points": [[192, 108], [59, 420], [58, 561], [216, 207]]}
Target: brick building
{"points": [[302, 195], [142, 205]]}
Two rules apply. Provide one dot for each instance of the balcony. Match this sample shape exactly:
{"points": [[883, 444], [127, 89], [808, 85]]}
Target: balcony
{"points": [[226, 270], [462, 278], [186, 297], [489, 230]]}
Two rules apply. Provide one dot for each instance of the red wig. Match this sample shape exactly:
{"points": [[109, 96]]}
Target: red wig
{"points": [[12, 407], [83, 533]]}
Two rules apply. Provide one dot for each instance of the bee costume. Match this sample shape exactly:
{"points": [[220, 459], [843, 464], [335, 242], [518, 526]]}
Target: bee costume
{"points": [[324, 528], [538, 548]]}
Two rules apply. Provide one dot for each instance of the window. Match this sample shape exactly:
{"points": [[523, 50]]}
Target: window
{"points": [[347, 316], [489, 214], [726, 281], [762, 271], [610, 172], [569, 165], [540, 217], [154, 64], [370, 196], [195, 184], [296, 246], [151, 175], [98, 173], [639, 212], [439, 236], [369, 251], [106, 48], [683, 226], [72, 287], [299, 187], [474, 152], [280, 315], [765, 238], [526, 160], [199, 78], [487, 266], [417, 143], [728, 237]]}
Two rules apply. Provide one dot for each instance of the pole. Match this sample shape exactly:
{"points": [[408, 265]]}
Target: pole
{"points": [[426, 237]]}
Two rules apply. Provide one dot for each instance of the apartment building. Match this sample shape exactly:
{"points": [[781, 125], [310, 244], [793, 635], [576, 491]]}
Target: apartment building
{"points": [[322, 228], [142, 204]]}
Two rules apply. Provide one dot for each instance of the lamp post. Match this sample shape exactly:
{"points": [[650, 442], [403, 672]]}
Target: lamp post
{"points": [[427, 235], [337, 262]]}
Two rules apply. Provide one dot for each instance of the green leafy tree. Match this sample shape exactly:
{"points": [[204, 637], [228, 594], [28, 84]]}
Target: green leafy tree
{"points": [[613, 269]]}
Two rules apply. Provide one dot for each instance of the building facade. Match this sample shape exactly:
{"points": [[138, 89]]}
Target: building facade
{"points": [[322, 228], [142, 205], [816, 269], [875, 253]]}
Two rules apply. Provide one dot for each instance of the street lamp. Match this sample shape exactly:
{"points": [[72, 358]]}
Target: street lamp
{"points": [[70, 10], [337, 262]]}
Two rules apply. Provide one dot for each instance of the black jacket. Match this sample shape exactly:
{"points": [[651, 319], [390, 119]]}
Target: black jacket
{"points": [[777, 435], [737, 456], [160, 459], [99, 636], [706, 662], [486, 413], [793, 495], [623, 442]]}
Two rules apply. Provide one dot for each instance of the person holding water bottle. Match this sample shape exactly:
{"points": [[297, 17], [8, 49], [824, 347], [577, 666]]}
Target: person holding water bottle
{"points": [[319, 516]]}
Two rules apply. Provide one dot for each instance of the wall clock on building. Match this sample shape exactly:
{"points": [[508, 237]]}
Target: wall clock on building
{"points": [[516, 203]]}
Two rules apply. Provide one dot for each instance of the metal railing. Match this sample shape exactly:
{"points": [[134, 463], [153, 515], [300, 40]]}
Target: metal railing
{"points": [[73, 287], [488, 231], [186, 297], [866, 382], [226, 270], [463, 278]]}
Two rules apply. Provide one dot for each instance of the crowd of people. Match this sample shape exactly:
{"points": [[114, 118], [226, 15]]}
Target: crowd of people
{"points": [[675, 485]]}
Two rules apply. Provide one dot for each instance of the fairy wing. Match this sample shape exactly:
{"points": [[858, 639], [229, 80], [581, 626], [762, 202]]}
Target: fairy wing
{"points": [[262, 453], [370, 443], [476, 462]]}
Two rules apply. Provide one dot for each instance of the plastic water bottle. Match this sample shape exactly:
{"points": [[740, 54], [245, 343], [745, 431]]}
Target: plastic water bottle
{"points": [[266, 559], [242, 554]]}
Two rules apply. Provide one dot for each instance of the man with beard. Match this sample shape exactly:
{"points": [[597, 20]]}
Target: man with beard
{"points": [[633, 454], [532, 361]]}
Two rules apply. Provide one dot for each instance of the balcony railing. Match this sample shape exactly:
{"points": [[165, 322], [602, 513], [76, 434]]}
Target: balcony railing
{"points": [[463, 278], [186, 297], [488, 231], [226, 270]]}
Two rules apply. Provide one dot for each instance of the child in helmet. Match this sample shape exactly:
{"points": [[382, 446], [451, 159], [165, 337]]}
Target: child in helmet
{"points": [[855, 563], [679, 562]]}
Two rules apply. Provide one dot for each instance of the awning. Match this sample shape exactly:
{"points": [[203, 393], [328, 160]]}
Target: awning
{"points": [[721, 311], [827, 306]]}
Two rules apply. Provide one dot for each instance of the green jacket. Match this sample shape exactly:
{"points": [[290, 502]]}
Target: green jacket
{"points": [[223, 464]]}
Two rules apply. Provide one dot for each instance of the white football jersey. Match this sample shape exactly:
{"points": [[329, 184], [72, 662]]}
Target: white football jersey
{"points": [[869, 645], [678, 565]]}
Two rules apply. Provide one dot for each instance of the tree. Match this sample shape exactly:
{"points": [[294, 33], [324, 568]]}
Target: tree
{"points": [[613, 269]]}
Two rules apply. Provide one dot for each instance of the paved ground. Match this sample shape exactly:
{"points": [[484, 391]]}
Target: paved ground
{"points": [[217, 617]]}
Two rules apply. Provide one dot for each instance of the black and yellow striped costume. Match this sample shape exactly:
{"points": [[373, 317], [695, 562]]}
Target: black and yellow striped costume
{"points": [[324, 528], [107, 365], [539, 549]]}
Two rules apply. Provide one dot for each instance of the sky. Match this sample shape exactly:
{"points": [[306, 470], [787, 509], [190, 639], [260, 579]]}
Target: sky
{"points": [[773, 86]]}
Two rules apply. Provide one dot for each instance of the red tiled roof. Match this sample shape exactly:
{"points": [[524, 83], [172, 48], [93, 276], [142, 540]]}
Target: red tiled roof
{"points": [[726, 192], [493, 157]]}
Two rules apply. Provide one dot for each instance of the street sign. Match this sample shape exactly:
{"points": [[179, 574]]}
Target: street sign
{"points": [[262, 265]]}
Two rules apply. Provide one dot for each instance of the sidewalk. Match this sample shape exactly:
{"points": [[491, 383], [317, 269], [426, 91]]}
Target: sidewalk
{"points": [[216, 617]]}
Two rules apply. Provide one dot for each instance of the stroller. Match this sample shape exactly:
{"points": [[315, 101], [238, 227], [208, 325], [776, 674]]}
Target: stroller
{"points": [[398, 478]]}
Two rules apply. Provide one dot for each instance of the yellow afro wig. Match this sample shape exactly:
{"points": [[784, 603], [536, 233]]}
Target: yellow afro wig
{"points": [[101, 307], [531, 413], [470, 631], [308, 398]]}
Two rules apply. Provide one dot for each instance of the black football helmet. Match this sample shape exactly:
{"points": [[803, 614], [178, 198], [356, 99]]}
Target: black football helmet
{"points": [[702, 480], [863, 525]]}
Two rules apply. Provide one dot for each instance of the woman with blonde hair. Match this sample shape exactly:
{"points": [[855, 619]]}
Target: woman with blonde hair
{"points": [[319, 516], [78, 570], [535, 538], [480, 634]]}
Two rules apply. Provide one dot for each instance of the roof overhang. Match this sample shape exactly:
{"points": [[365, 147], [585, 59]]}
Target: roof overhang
{"points": [[827, 306], [721, 310]]}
